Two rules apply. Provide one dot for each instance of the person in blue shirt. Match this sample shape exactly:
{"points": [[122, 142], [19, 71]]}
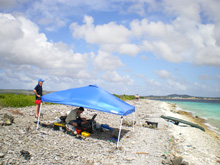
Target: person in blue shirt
{"points": [[38, 91]]}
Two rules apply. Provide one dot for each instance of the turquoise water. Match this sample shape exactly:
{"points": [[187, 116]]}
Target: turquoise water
{"points": [[208, 109]]}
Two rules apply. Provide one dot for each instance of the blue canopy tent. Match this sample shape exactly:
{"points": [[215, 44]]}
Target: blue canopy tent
{"points": [[92, 97]]}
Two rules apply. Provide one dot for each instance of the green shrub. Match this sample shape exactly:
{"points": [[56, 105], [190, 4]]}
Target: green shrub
{"points": [[16, 100], [125, 97]]}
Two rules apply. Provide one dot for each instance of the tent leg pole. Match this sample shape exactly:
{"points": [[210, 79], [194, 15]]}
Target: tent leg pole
{"points": [[133, 120], [119, 134], [38, 121]]}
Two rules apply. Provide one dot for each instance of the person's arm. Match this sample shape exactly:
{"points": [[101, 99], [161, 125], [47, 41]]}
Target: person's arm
{"points": [[36, 93]]}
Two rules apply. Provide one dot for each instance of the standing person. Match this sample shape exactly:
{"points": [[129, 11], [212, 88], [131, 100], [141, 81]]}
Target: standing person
{"points": [[38, 90], [137, 97]]}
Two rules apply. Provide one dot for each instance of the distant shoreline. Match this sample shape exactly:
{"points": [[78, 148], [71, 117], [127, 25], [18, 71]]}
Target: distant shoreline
{"points": [[182, 98]]}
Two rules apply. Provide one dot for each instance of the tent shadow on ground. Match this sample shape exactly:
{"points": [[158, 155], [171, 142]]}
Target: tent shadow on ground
{"points": [[101, 135], [105, 136]]}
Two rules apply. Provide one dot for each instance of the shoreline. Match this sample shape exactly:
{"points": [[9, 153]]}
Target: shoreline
{"points": [[193, 144], [187, 98], [197, 120]]}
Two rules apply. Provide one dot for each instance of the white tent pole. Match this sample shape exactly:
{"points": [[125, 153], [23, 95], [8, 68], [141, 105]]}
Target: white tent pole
{"points": [[133, 120], [38, 121], [119, 134]]}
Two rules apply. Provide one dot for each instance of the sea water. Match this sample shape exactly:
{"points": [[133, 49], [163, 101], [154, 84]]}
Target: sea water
{"points": [[207, 109]]}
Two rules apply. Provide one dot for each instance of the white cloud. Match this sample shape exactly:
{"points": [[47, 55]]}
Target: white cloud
{"points": [[177, 86], [29, 53], [107, 62], [185, 37], [113, 76], [21, 44], [189, 9], [129, 49], [164, 74], [171, 83], [162, 49], [208, 56], [110, 33], [10, 31], [109, 37], [177, 42]]}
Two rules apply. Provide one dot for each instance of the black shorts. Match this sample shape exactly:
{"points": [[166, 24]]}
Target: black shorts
{"points": [[78, 121]]}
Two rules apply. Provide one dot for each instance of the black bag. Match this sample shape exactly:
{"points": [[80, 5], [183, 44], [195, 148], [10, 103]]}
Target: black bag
{"points": [[90, 126], [63, 118]]}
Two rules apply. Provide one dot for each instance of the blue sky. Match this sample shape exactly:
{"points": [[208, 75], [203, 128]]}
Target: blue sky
{"points": [[146, 47]]}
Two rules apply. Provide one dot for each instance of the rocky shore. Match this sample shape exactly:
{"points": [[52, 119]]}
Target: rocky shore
{"points": [[21, 143]]}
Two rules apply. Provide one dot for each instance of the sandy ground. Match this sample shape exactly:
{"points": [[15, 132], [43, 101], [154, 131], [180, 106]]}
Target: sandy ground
{"points": [[139, 145]]}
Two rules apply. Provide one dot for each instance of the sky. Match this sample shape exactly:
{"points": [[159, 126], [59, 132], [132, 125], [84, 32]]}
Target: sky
{"points": [[145, 47]]}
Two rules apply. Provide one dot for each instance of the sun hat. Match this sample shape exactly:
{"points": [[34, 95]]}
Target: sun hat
{"points": [[41, 80]]}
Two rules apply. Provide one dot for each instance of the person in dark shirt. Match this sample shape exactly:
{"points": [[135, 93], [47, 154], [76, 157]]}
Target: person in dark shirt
{"points": [[38, 90]]}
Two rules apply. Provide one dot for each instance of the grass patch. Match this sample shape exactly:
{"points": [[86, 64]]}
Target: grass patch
{"points": [[125, 97], [16, 100]]}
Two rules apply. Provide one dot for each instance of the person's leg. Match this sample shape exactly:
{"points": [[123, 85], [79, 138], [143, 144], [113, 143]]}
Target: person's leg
{"points": [[37, 109], [81, 121], [75, 123]]}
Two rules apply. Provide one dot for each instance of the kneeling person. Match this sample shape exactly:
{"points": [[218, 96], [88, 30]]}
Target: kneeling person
{"points": [[74, 118]]}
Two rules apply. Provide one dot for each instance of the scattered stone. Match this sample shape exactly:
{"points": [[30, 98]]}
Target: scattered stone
{"points": [[7, 119], [2, 155], [128, 123], [166, 161], [154, 124], [177, 160], [16, 112], [26, 154], [184, 163], [142, 153], [145, 125]]}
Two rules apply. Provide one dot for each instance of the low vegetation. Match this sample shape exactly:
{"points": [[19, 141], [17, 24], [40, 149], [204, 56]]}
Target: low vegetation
{"points": [[126, 97], [16, 100]]}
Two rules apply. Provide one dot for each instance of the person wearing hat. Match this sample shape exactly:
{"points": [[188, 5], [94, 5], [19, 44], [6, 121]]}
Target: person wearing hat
{"points": [[38, 90]]}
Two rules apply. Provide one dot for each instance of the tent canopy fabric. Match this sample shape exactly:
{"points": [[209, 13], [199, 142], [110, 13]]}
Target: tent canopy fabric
{"points": [[92, 97]]}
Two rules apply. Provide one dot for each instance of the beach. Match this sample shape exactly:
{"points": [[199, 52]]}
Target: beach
{"points": [[141, 144]]}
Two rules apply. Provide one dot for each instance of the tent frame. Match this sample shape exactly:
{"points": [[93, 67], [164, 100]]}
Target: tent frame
{"points": [[119, 133]]}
